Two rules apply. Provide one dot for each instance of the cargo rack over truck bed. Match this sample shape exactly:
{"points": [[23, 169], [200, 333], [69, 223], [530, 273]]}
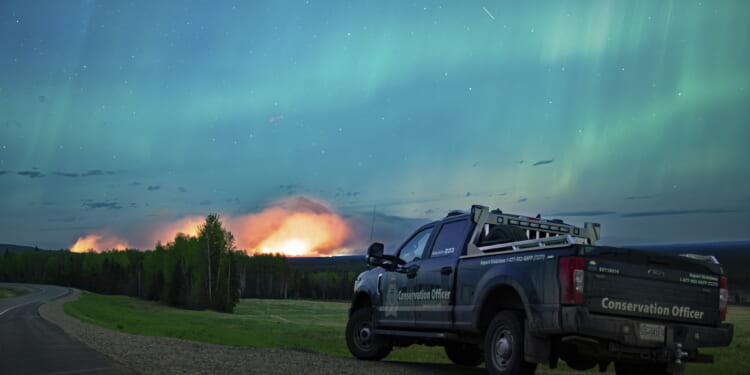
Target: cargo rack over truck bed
{"points": [[540, 233]]}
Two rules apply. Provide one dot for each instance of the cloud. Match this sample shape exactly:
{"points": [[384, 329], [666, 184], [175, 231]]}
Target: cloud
{"points": [[350, 194], [205, 203], [429, 211], [521, 200], [153, 187], [3, 172], [581, 213], [182, 189], [233, 200], [468, 194], [135, 183], [679, 212], [89, 204], [634, 197], [96, 172], [92, 172], [66, 174], [31, 174], [542, 162]]}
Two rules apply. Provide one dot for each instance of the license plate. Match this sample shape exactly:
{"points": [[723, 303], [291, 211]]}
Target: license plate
{"points": [[651, 332]]}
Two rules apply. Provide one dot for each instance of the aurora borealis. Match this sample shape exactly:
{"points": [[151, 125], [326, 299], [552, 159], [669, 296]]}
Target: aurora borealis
{"points": [[119, 115]]}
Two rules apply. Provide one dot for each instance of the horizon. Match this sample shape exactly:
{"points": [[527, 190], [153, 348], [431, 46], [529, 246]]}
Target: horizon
{"points": [[363, 250]]}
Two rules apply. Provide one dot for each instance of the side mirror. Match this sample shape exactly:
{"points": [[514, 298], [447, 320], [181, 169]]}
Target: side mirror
{"points": [[375, 250], [375, 254]]}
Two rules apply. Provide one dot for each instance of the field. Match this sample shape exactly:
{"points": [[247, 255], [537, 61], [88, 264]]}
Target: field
{"points": [[312, 325], [12, 292], [298, 324]]}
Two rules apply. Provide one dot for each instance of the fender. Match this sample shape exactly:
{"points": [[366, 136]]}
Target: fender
{"points": [[487, 285], [364, 286]]}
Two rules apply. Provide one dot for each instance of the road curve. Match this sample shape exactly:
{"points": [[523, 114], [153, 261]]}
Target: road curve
{"points": [[32, 345]]}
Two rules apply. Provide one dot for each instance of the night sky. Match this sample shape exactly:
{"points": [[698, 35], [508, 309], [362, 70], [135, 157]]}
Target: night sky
{"points": [[119, 116]]}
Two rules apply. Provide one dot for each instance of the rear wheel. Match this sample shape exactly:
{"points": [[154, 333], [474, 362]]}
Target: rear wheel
{"points": [[362, 342], [503, 346], [464, 354], [624, 368]]}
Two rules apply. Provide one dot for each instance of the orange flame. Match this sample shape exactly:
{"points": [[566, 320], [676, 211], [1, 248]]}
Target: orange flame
{"points": [[294, 227], [98, 243]]}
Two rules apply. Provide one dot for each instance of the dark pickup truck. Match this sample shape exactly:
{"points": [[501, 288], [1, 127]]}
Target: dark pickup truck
{"points": [[515, 291]]}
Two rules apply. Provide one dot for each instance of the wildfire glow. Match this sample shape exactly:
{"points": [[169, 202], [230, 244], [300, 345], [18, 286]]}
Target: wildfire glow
{"points": [[98, 242], [294, 227], [187, 225]]}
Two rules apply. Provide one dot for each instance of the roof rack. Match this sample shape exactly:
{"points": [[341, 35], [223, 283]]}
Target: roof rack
{"points": [[541, 233]]}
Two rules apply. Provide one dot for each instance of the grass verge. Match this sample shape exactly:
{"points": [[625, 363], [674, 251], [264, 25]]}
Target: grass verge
{"points": [[314, 325], [12, 292], [294, 324]]}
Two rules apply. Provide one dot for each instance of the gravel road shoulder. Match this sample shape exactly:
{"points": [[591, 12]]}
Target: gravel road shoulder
{"points": [[164, 355]]}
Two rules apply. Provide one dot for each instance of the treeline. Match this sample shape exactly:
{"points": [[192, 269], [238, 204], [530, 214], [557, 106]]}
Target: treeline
{"points": [[191, 272]]}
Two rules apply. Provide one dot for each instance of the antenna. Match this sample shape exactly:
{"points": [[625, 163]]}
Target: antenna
{"points": [[372, 225]]}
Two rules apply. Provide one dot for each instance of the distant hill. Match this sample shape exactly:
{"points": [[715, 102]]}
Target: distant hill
{"points": [[348, 263], [17, 248]]}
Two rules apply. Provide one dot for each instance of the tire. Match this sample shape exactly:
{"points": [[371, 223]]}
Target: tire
{"points": [[464, 354], [625, 368], [362, 343], [503, 346], [502, 233]]}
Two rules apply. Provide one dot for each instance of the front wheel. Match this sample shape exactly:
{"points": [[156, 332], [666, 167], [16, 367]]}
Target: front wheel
{"points": [[361, 340], [464, 354], [503, 346]]}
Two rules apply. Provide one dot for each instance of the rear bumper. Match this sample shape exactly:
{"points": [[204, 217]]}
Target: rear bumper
{"points": [[576, 320]]}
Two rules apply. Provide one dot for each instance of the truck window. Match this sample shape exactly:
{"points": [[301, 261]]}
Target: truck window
{"points": [[450, 239], [414, 249]]}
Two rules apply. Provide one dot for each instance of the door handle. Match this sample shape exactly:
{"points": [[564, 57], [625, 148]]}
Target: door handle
{"points": [[446, 270], [411, 272]]}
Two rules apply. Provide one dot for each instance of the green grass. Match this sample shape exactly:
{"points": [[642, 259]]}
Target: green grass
{"points": [[12, 292], [295, 324], [735, 358], [314, 325]]}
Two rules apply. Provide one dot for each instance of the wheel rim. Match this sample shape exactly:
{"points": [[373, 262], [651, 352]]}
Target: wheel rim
{"points": [[363, 336], [502, 349]]}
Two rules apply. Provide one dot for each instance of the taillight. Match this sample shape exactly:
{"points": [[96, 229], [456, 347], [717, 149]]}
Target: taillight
{"points": [[723, 297], [570, 273]]}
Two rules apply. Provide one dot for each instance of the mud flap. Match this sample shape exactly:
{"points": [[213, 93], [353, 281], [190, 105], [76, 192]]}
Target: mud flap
{"points": [[536, 349]]}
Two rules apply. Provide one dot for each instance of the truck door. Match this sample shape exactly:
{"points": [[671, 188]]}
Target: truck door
{"points": [[396, 288], [436, 275]]}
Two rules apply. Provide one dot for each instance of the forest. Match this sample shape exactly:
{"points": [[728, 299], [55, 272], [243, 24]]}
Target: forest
{"points": [[200, 272]]}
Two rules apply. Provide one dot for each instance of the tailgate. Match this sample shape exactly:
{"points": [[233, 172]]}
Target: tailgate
{"points": [[656, 286]]}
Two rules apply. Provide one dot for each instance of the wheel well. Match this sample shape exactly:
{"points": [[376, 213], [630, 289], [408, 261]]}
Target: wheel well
{"points": [[502, 297], [362, 300]]}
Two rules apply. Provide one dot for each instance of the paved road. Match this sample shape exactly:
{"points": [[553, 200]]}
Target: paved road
{"points": [[31, 345]]}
